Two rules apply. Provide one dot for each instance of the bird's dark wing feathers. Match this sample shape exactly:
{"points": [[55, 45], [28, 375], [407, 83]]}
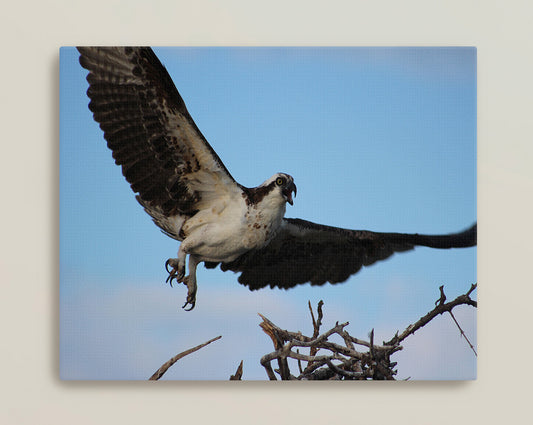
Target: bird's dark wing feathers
{"points": [[148, 128], [308, 252]]}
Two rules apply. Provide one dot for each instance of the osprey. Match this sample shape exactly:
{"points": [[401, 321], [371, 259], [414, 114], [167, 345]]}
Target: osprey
{"points": [[190, 195]]}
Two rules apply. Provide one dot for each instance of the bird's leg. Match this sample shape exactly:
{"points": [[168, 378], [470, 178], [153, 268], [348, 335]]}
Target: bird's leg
{"points": [[190, 281]]}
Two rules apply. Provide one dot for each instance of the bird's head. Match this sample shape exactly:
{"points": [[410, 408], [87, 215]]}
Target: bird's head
{"points": [[284, 183]]}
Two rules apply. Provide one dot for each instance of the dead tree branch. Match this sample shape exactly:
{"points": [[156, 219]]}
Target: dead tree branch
{"points": [[463, 333], [238, 373], [440, 308], [161, 371], [344, 361]]}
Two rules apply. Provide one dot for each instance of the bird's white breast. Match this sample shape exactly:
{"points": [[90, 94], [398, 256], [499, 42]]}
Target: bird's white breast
{"points": [[230, 227]]}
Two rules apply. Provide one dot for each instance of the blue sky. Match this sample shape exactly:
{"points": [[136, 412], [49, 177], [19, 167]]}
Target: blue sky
{"points": [[380, 139]]}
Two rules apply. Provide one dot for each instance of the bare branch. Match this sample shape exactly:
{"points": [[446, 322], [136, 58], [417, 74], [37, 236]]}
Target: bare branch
{"points": [[462, 333], [285, 341], [315, 326], [161, 371], [373, 364], [299, 363], [343, 372], [439, 309], [272, 330], [442, 298], [238, 373], [320, 314], [472, 288], [372, 343]]}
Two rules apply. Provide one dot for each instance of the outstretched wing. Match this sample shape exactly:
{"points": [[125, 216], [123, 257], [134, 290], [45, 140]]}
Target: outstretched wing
{"points": [[307, 252], [163, 155]]}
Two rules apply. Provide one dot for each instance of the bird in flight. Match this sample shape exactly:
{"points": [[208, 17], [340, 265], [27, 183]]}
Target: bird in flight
{"points": [[183, 185]]}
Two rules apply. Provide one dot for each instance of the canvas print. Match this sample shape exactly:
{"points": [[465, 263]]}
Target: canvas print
{"points": [[268, 213]]}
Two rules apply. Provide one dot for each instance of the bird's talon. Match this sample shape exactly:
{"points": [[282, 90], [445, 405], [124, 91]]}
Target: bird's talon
{"points": [[174, 271], [170, 278], [185, 305]]}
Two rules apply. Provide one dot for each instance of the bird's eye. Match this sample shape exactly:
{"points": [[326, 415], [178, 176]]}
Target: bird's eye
{"points": [[279, 181]]}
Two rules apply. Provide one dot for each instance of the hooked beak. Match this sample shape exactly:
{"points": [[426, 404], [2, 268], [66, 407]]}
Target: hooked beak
{"points": [[287, 192]]}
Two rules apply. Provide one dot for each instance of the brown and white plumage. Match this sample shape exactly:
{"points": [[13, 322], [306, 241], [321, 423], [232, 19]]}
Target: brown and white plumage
{"points": [[308, 252], [184, 186], [163, 155]]}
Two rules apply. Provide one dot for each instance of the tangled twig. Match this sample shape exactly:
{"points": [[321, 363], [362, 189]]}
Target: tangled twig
{"points": [[344, 361]]}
